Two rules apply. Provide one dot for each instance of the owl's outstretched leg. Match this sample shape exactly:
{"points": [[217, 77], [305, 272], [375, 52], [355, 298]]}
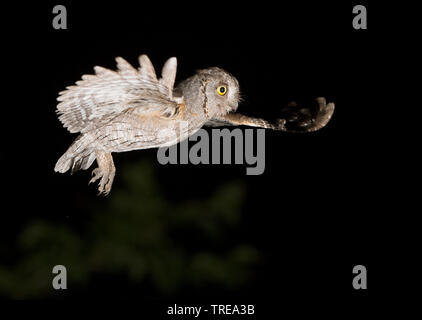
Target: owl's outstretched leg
{"points": [[295, 118], [105, 171]]}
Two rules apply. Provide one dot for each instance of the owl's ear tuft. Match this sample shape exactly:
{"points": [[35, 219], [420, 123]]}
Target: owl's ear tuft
{"points": [[146, 68], [168, 75]]}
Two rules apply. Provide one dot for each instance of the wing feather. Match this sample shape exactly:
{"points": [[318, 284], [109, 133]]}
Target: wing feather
{"points": [[96, 99], [146, 69], [168, 75]]}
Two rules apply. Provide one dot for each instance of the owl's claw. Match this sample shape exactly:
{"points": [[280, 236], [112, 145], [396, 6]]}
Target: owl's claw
{"points": [[105, 171], [296, 119], [280, 124], [96, 174], [104, 187]]}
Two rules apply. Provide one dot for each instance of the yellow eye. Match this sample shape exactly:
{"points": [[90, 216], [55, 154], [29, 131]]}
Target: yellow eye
{"points": [[222, 90]]}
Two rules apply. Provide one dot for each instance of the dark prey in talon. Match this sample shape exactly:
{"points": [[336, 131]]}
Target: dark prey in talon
{"points": [[132, 109]]}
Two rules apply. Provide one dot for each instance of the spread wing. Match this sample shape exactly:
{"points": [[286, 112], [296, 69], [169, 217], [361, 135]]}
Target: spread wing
{"points": [[97, 99]]}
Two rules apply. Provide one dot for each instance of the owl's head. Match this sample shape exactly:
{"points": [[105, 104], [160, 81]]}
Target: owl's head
{"points": [[221, 91]]}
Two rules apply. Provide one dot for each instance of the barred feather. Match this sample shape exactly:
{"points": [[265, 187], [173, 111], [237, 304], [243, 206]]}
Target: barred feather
{"points": [[96, 99]]}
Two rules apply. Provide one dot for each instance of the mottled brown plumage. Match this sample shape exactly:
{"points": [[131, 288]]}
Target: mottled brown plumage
{"points": [[130, 109]]}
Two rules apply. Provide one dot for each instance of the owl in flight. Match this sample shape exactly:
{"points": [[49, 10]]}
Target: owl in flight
{"points": [[130, 109]]}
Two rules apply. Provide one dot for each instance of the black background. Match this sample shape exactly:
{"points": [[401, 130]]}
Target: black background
{"points": [[326, 202]]}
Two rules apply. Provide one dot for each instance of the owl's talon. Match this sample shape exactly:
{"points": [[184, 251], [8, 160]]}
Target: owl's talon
{"points": [[105, 171], [96, 174], [307, 119], [280, 124], [105, 184]]}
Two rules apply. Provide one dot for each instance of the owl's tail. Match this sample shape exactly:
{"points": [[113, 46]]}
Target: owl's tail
{"points": [[78, 156]]}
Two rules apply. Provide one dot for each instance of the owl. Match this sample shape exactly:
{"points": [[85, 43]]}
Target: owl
{"points": [[131, 109]]}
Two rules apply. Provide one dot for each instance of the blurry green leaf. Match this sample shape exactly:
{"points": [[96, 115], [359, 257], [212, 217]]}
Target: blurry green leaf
{"points": [[133, 234]]}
